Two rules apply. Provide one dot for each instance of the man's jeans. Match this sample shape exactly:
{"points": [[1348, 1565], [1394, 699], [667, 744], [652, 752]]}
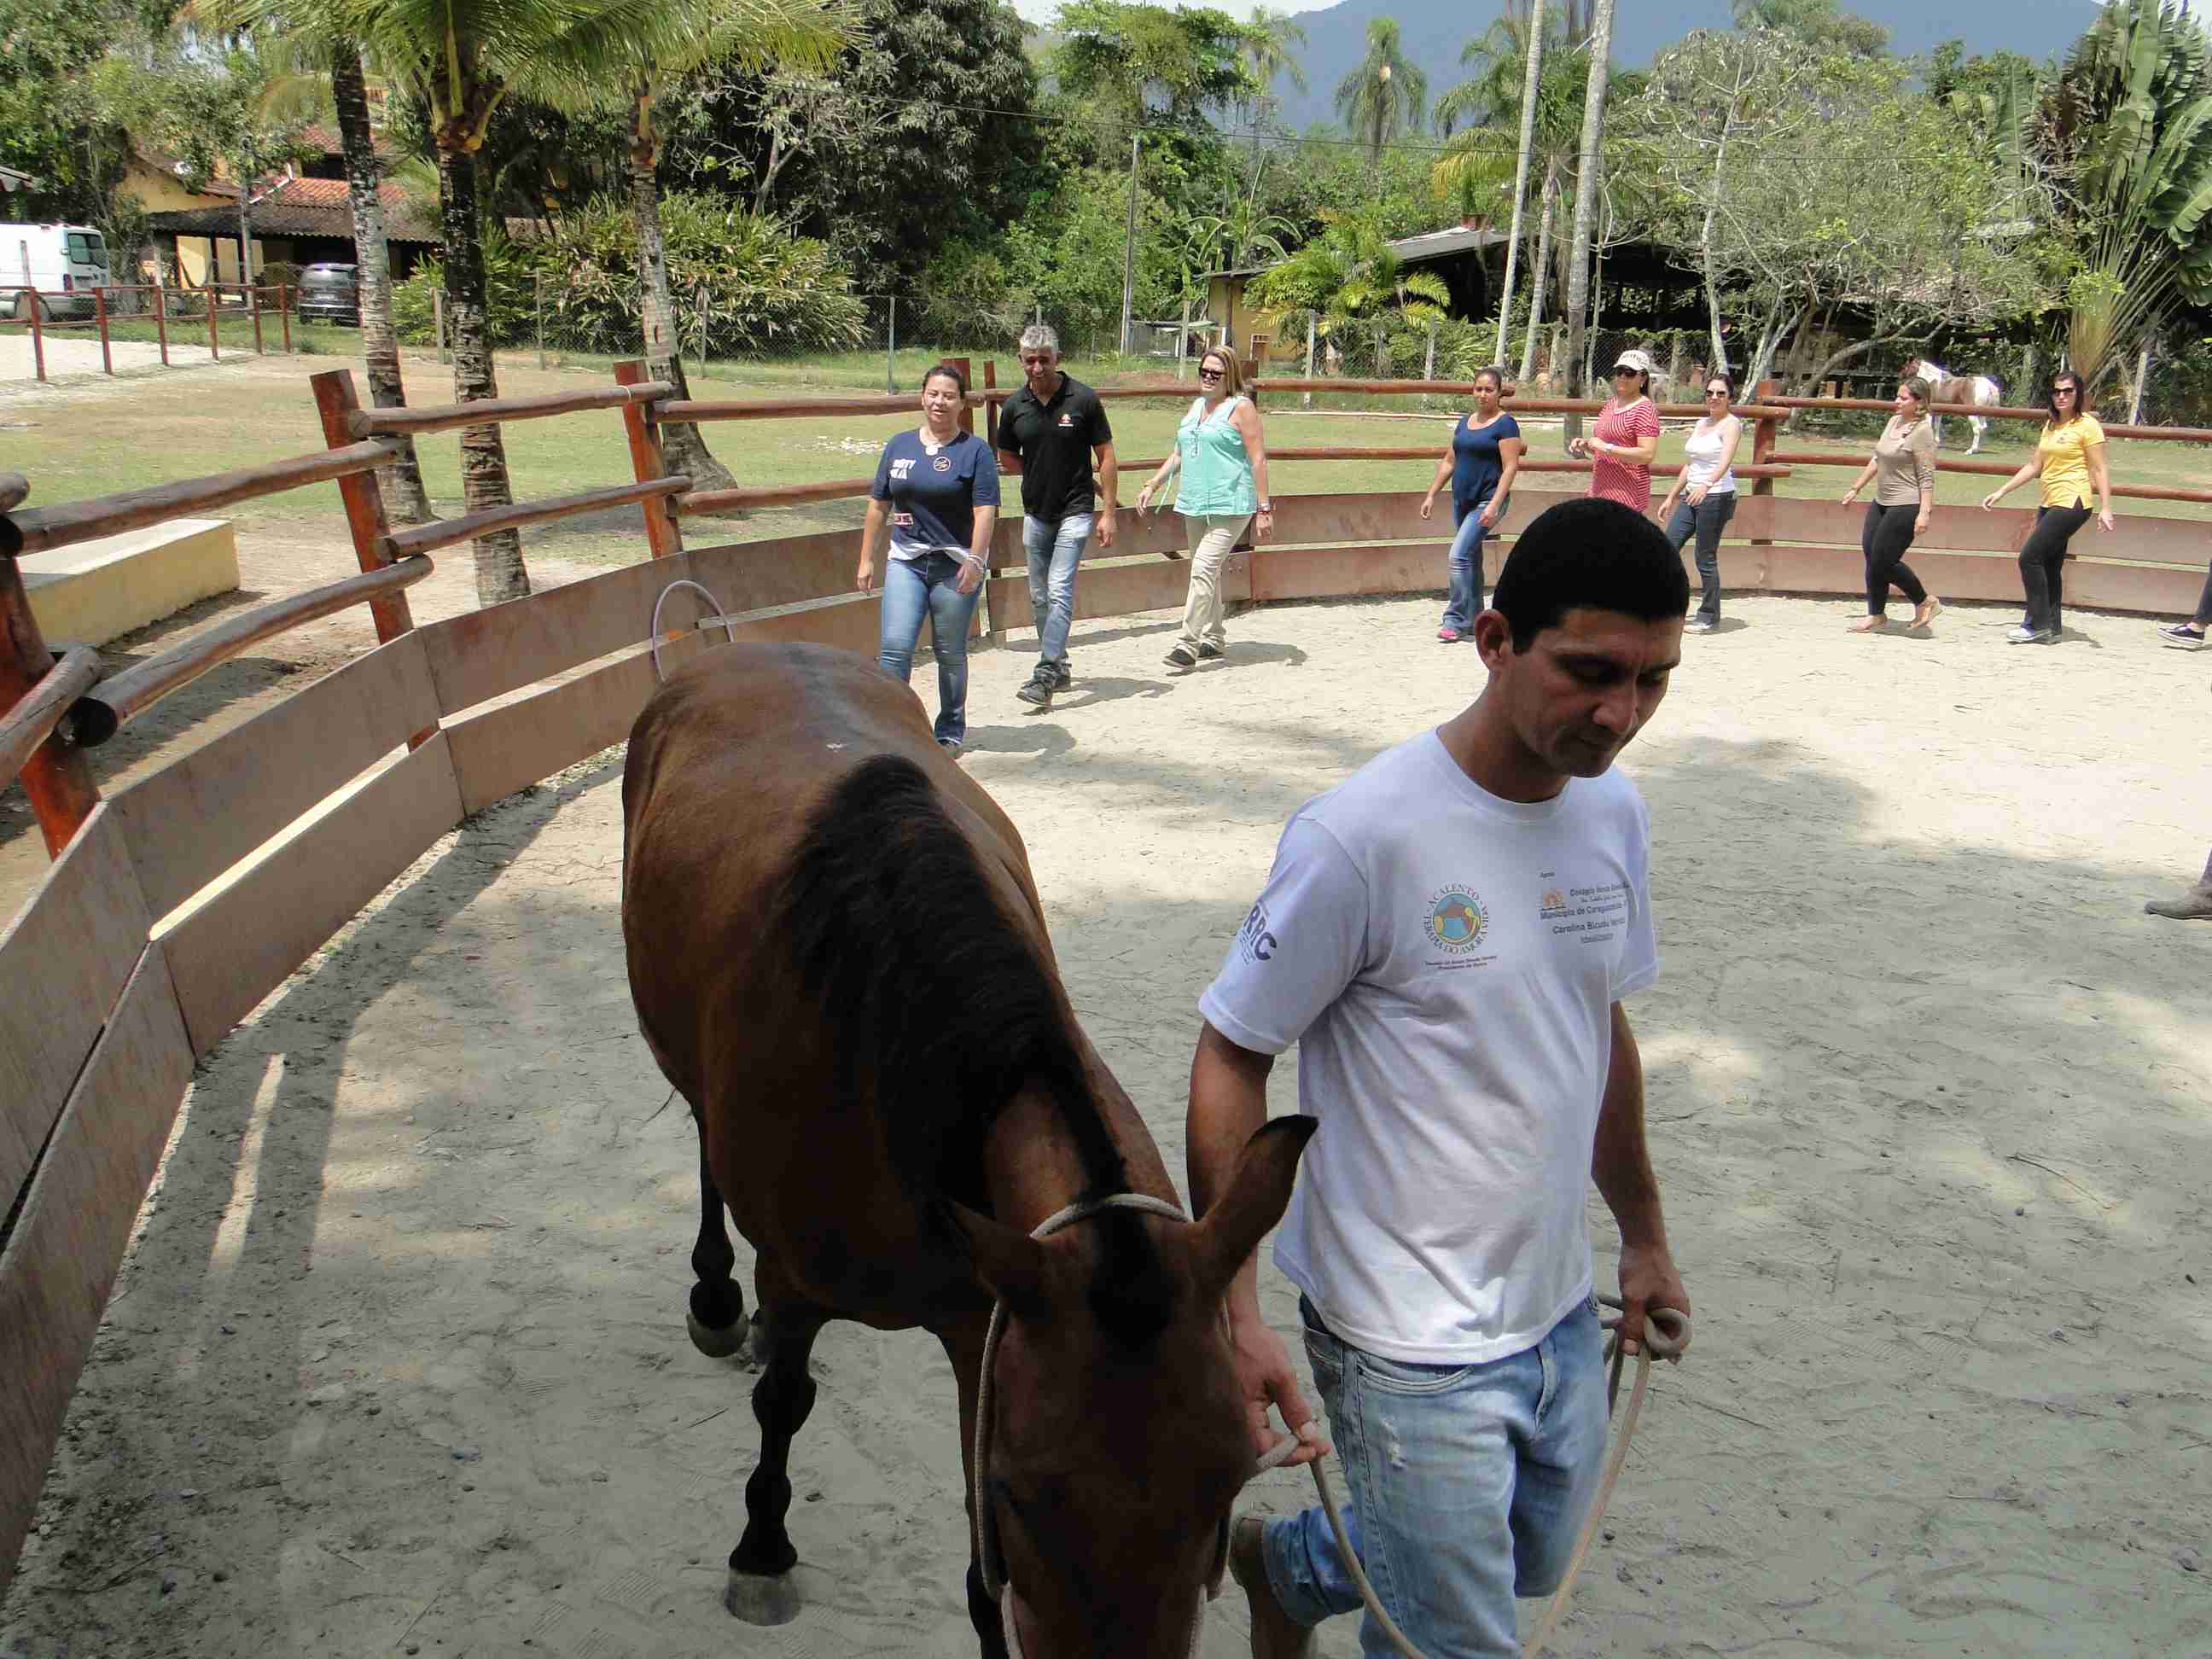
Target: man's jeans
{"points": [[1055, 547], [1468, 1484], [912, 589]]}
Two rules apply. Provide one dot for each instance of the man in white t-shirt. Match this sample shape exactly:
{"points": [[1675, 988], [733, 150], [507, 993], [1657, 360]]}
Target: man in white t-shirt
{"points": [[1448, 936]]}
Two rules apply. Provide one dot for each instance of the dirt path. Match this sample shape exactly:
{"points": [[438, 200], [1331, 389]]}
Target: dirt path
{"points": [[398, 1365]]}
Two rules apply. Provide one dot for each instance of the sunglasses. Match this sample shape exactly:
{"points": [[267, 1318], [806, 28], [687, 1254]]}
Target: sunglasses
{"points": [[2064, 390], [1209, 373], [1619, 369], [1716, 391]]}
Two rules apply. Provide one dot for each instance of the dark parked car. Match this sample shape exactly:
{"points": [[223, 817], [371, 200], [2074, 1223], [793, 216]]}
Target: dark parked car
{"points": [[331, 293]]}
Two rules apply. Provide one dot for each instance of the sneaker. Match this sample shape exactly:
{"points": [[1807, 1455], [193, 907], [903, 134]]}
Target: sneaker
{"points": [[1062, 676], [952, 747], [1449, 636], [1181, 656], [2029, 637], [1208, 651], [1701, 624], [2182, 637], [1038, 687]]}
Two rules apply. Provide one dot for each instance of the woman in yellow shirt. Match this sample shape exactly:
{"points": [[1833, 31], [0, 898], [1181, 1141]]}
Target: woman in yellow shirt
{"points": [[2071, 456]]}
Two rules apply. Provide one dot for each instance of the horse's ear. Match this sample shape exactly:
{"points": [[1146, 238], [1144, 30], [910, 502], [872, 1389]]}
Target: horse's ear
{"points": [[1007, 1261], [1258, 1192]]}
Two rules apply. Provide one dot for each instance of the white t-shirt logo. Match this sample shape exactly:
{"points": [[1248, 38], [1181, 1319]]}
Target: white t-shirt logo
{"points": [[900, 469], [1457, 922]]}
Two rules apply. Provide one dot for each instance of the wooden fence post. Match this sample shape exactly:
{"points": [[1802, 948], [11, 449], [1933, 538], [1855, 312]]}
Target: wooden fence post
{"points": [[336, 402], [967, 415], [38, 336], [284, 312], [56, 778], [100, 314], [215, 339], [1252, 380], [990, 409], [162, 320], [1762, 438], [641, 422], [254, 310]]}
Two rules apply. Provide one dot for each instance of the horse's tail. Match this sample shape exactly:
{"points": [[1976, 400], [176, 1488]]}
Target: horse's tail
{"points": [[939, 1007]]}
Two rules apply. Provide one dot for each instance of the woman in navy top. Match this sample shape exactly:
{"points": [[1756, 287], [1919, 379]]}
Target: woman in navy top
{"points": [[937, 492], [1484, 455]]}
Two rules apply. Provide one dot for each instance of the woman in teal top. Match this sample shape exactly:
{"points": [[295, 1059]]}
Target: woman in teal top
{"points": [[1223, 462]]}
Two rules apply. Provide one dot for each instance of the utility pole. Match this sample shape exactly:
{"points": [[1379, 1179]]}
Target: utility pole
{"points": [[1129, 249], [1530, 82]]}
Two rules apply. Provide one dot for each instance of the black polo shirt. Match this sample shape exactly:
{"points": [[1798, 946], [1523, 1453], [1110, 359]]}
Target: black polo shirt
{"points": [[1054, 440]]}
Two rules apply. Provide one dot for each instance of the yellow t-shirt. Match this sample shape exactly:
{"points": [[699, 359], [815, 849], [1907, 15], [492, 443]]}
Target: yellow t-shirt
{"points": [[2062, 454]]}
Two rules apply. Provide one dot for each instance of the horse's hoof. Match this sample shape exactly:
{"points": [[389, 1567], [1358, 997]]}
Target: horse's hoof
{"points": [[760, 1598], [716, 1344]]}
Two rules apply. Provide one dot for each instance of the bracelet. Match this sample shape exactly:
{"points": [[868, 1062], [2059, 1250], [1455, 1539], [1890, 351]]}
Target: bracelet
{"points": [[1267, 507]]}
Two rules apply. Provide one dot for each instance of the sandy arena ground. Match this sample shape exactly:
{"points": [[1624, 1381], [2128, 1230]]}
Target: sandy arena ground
{"points": [[71, 351], [399, 1362]]}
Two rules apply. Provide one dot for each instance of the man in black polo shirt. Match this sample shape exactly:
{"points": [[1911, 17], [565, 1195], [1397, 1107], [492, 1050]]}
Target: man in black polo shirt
{"points": [[1052, 432]]}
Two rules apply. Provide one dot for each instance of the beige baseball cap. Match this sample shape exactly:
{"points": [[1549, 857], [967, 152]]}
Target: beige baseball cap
{"points": [[1638, 361]]}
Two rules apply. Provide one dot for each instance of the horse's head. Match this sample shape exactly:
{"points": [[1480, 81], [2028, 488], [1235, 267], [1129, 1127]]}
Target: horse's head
{"points": [[1118, 1439]]}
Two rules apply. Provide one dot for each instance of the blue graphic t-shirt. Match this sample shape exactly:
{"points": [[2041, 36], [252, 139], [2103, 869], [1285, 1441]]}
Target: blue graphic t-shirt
{"points": [[934, 497], [1476, 465]]}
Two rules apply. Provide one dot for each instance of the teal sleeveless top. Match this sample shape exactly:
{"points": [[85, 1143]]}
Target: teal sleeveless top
{"points": [[1217, 473]]}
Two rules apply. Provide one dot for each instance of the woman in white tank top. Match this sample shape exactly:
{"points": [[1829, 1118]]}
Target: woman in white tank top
{"points": [[1703, 499]]}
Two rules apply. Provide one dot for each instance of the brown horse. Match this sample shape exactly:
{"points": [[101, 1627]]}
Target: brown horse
{"points": [[839, 958]]}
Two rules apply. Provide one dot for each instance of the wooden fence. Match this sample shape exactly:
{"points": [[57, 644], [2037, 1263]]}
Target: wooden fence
{"points": [[182, 311], [175, 906]]}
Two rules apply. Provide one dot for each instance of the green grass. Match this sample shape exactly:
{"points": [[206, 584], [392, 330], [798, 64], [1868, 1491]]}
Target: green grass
{"points": [[163, 429]]}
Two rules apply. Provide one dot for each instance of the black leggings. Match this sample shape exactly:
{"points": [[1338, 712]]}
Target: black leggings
{"points": [[1883, 539], [2042, 559]]}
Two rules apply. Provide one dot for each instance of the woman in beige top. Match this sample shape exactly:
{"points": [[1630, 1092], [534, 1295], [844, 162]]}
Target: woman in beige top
{"points": [[1904, 462]]}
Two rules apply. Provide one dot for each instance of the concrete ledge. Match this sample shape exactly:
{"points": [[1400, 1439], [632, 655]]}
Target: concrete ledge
{"points": [[99, 589]]}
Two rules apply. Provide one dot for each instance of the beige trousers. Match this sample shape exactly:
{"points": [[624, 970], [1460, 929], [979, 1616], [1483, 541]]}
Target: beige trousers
{"points": [[1211, 536]]}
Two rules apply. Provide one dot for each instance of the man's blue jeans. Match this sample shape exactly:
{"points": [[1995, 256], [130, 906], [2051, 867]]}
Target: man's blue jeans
{"points": [[912, 589], [1463, 572], [1468, 1484], [1055, 548]]}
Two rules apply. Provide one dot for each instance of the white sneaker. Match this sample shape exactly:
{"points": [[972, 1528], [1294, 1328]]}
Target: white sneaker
{"points": [[2027, 636]]}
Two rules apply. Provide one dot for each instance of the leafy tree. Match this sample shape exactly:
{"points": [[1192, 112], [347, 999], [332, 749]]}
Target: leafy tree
{"points": [[1820, 24], [1269, 38], [1383, 96], [1152, 65], [2127, 125], [623, 60], [53, 124], [1348, 275], [1578, 254]]}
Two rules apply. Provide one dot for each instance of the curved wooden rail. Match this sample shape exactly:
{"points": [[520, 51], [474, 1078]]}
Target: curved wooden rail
{"points": [[46, 528], [2180, 435], [491, 412], [1983, 468], [136, 689], [33, 720], [448, 532]]}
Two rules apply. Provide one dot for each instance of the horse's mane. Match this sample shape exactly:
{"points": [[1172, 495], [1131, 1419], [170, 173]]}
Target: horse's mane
{"points": [[941, 1010]]}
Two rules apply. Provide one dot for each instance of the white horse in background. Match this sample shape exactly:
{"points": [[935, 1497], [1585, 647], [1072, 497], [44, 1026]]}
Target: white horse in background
{"points": [[1979, 391]]}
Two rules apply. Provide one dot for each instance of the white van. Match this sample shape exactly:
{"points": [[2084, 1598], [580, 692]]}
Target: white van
{"points": [[64, 262]]}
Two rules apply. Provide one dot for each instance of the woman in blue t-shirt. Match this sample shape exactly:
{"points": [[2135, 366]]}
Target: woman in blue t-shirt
{"points": [[1484, 455], [937, 491]]}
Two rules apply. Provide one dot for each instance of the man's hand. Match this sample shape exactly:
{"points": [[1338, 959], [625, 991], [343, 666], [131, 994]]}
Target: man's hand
{"points": [[1265, 1378], [1647, 1281], [1106, 528]]}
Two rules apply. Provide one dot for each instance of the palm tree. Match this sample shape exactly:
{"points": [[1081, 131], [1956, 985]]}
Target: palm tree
{"points": [[1268, 38], [459, 59], [1384, 96], [323, 78], [621, 59], [2128, 126], [1240, 233], [1579, 273], [1348, 274]]}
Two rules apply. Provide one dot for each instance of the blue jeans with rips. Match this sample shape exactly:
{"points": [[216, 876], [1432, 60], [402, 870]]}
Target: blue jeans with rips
{"points": [[1463, 571], [1468, 1484], [1055, 548], [912, 589]]}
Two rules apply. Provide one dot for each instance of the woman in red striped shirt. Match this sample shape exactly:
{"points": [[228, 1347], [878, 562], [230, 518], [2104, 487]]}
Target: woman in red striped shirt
{"points": [[1625, 437]]}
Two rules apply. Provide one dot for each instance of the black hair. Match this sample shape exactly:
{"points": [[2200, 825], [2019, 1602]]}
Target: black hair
{"points": [[2081, 397], [1724, 377], [949, 369], [1497, 375], [1589, 554]]}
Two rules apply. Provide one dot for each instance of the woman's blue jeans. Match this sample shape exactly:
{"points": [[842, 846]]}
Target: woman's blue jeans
{"points": [[1463, 571], [912, 589], [1468, 1484]]}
